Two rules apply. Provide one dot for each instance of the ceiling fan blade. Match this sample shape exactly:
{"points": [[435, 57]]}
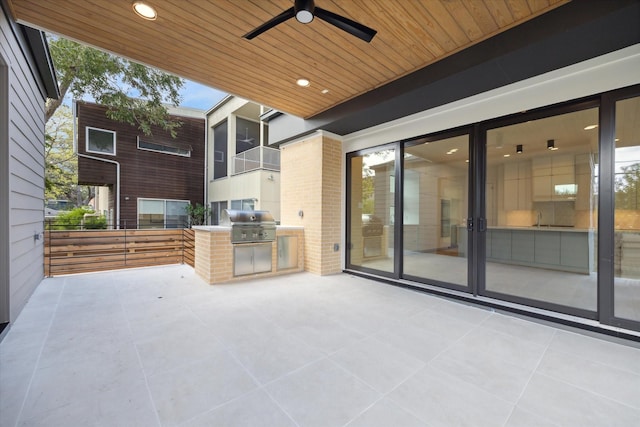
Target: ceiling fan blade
{"points": [[287, 14], [352, 27]]}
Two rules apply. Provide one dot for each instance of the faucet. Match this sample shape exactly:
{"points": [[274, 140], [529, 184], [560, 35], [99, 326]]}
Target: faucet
{"points": [[539, 218]]}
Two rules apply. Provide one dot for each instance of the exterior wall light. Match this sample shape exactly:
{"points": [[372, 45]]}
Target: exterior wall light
{"points": [[144, 10], [519, 148], [551, 145]]}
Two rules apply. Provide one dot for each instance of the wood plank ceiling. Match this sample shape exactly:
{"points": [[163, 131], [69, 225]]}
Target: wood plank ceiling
{"points": [[202, 41]]}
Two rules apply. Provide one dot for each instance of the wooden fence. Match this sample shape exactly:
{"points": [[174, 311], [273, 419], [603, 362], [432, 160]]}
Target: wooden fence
{"points": [[67, 251]]}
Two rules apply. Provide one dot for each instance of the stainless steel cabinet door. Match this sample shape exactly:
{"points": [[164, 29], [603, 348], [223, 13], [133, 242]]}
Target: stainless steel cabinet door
{"points": [[242, 260], [287, 252], [262, 258]]}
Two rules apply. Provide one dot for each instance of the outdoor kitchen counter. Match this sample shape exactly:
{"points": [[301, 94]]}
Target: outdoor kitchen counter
{"points": [[215, 254]]}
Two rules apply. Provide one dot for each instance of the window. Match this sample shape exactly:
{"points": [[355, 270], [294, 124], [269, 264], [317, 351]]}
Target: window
{"points": [[216, 211], [163, 148], [220, 150], [243, 204], [160, 213], [265, 134], [101, 141], [247, 135]]}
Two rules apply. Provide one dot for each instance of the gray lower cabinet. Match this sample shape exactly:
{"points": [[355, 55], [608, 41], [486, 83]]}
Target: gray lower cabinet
{"points": [[287, 252], [250, 259], [547, 247], [576, 250], [523, 246], [552, 249], [501, 244]]}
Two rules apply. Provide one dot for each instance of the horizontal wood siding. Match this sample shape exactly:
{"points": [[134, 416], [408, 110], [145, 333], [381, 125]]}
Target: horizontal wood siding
{"points": [[97, 250], [143, 174], [21, 176]]}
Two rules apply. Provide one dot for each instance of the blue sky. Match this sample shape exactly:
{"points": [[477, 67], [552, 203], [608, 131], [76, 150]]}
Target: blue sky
{"points": [[195, 95]]}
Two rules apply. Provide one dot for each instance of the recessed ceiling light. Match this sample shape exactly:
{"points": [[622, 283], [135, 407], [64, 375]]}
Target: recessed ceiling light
{"points": [[325, 91], [590, 127], [506, 155], [144, 10], [303, 82]]}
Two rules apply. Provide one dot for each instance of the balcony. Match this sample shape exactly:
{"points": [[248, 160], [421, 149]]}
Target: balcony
{"points": [[256, 158], [159, 347]]}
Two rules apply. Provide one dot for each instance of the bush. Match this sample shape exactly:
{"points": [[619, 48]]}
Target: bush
{"points": [[198, 214], [75, 220]]}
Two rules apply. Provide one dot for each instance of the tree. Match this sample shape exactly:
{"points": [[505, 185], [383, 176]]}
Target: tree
{"points": [[627, 186], [61, 164], [134, 93]]}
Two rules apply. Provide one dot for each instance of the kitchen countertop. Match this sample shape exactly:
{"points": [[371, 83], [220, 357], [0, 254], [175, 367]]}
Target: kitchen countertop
{"points": [[228, 227], [541, 228]]}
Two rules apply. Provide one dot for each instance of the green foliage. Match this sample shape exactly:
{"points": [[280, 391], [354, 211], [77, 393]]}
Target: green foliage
{"points": [[75, 220], [61, 165], [627, 186], [134, 93], [368, 194], [198, 214]]}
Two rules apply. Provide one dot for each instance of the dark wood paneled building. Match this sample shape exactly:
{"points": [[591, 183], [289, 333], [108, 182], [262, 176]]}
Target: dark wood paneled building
{"points": [[150, 179]]}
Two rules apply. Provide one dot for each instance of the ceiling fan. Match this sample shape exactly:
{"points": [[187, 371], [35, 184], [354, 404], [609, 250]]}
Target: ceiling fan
{"points": [[305, 10]]}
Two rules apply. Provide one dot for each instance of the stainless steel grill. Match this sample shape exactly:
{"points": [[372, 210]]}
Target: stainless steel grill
{"points": [[371, 226], [249, 226]]}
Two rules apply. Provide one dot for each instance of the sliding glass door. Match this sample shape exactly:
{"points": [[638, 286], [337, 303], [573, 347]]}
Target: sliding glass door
{"points": [[371, 211], [435, 207], [627, 210], [541, 199], [540, 209]]}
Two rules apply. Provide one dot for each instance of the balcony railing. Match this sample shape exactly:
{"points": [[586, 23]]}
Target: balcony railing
{"points": [[257, 158]]}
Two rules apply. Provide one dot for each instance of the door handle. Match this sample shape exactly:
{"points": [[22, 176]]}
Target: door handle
{"points": [[469, 224]]}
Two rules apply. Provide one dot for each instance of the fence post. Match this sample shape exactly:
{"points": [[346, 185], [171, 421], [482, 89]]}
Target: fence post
{"points": [[125, 242], [48, 242]]}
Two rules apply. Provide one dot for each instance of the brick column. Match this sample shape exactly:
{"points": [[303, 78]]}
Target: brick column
{"points": [[311, 183]]}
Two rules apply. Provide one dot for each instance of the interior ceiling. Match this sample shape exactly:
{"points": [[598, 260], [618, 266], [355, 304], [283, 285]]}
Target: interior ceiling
{"points": [[202, 41]]}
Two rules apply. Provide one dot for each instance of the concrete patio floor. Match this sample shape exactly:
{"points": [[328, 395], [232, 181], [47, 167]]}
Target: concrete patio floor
{"points": [[159, 347]]}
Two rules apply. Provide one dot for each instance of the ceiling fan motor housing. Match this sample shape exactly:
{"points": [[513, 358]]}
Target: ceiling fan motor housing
{"points": [[304, 11]]}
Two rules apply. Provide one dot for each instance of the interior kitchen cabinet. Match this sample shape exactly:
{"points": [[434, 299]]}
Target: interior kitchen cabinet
{"points": [[554, 178], [584, 180], [517, 185], [563, 249]]}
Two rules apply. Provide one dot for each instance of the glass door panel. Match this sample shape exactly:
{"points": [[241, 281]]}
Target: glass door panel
{"points": [[435, 206], [541, 200], [627, 210], [372, 210]]}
